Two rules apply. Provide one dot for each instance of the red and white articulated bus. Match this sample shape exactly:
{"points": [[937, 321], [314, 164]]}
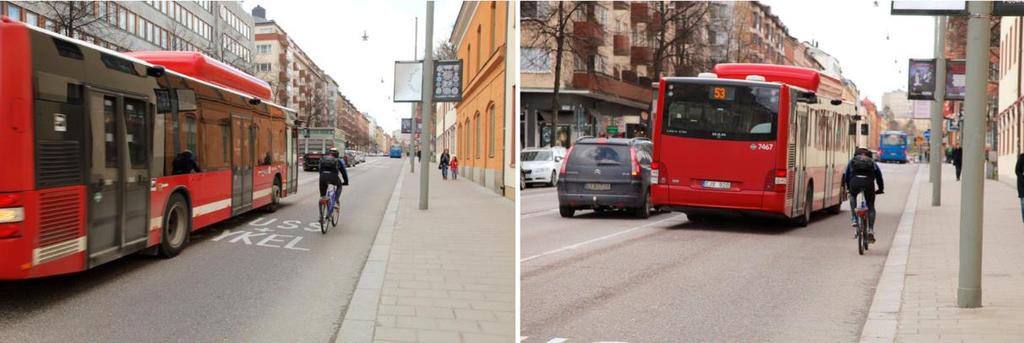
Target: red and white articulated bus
{"points": [[93, 145], [753, 139]]}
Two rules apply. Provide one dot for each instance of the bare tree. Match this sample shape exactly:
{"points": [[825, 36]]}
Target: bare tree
{"points": [[675, 31], [551, 28], [76, 17], [445, 50]]}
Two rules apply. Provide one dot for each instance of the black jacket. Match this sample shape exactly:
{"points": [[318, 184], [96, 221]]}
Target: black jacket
{"points": [[958, 156], [445, 159], [848, 176], [184, 163], [1019, 170]]}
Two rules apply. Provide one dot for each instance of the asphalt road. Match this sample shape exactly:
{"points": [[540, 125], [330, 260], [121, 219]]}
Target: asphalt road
{"points": [[232, 283], [614, 278]]}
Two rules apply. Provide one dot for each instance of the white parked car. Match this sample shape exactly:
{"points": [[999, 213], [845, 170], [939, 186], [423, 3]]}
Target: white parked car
{"points": [[541, 165]]}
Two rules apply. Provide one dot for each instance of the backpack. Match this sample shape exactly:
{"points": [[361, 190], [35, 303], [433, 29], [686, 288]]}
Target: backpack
{"points": [[329, 164], [862, 165]]}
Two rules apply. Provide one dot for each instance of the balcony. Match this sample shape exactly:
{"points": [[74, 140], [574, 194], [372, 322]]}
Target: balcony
{"points": [[621, 5], [640, 12], [283, 58], [282, 77], [606, 85], [629, 76], [640, 55], [621, 43], [588, 35]]}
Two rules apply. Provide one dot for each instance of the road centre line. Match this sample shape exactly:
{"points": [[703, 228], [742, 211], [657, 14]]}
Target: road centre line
{"points": [[598, 239]]}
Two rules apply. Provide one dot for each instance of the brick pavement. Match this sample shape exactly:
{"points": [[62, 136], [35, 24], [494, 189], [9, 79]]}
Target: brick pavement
{"points": [[450, 270], [927, 311]]}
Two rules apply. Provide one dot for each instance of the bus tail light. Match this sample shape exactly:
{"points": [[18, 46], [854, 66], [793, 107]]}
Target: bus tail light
{"points": [[565, 161], [636, 165], [10, 230], [655, 166], [779, 180]]}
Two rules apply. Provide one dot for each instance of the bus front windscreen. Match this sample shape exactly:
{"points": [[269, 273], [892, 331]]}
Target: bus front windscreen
{"points": [[723, 112]]}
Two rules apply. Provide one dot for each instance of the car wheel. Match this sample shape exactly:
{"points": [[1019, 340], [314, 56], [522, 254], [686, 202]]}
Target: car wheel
{"points": [[566, 211], [554, 178], [177, 224], [644, 211]]}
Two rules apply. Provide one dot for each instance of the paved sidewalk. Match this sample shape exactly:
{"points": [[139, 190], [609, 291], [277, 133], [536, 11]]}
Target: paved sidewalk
{"points": [[446, 274], [928, 312]]}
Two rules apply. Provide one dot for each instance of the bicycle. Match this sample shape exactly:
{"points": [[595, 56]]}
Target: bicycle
{"points": [[329, 212], [862, 223]]}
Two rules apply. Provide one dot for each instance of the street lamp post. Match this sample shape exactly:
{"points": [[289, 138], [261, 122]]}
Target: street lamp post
{"points": [[968, 293], [935, 163], [428, 102]]}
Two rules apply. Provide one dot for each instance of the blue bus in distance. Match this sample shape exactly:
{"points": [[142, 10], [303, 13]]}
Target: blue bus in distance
{"points": [[396, 151], [893, 147]]}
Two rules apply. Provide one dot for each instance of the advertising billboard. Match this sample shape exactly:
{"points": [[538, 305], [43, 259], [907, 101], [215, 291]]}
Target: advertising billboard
{"points": [[956, 79], [921, 79]]}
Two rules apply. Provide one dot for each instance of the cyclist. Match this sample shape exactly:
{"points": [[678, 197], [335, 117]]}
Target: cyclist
{"points": [[860, 176], [330, 166]]}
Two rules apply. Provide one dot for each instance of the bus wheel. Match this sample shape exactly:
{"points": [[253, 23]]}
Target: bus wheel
{"points": [[176, 227], [806, 217], [275, 197]]}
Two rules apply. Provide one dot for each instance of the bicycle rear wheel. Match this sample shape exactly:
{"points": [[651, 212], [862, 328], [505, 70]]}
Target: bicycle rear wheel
{"points": [[323, 218], [862, 239], [335, 214]]}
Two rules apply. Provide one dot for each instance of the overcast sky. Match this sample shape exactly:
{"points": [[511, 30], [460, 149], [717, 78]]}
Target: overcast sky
{"points": [[855, 32], [330, 32]]}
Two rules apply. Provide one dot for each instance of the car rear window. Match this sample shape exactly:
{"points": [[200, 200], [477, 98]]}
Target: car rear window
{"points": [[599, 154]]}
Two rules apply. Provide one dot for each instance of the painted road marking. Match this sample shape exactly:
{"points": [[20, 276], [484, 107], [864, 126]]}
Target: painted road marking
{"points": [[598, 239], [538, 213], [270, 233], [557, 340]]}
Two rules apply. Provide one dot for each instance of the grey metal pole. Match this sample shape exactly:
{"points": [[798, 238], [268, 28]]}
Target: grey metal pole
{"points": [[412, 134], [935, 163], [968, 293], [428, 103]]}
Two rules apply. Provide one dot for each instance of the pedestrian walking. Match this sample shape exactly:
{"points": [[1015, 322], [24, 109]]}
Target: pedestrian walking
{"points": [[1019, 170], [454, 165], [443, 164], [958, 159]]}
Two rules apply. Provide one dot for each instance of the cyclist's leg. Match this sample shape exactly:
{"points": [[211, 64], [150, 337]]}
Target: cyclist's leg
{"points": [[337, 190], [854, 191], [323, 187], [869, 195]]}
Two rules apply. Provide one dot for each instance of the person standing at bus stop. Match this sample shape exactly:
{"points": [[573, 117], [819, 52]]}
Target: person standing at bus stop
{"points": [[958, 159]]}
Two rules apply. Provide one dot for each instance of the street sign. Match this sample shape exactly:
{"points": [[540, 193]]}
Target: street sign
{"points": [[927, 134], [448, 81], [408, 81], [1008, 8], [921, 79], [613, 130], [929, 8]]}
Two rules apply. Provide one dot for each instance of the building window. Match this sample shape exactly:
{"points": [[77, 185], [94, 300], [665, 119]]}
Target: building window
{"points": [[31, 18], [13, 11], [263, 67], [480, 62], [491, 127], [476, 133], [494, 24], [534, 9], [535, 60], [263, 49]]}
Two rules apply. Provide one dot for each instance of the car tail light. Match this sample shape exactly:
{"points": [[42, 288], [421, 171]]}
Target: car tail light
{"points": [[636, 164], [655, 172], [565, 161]]}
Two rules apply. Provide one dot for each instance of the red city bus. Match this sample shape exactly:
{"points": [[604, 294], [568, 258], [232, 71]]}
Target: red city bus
{"points": [[753, 139], [96, 149]]}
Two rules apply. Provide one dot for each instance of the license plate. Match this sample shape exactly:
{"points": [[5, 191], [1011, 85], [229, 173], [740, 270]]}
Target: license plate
{"points": [[598, 186], [717, 184]]}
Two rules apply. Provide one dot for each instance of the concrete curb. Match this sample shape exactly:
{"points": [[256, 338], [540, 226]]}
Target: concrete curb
{"points": [[883, 315], [361, 317]]}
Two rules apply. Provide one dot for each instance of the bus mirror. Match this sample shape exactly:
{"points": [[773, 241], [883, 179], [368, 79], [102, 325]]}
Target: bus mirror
{"points": [[853, 129], [836, 102], [255, 101], [864, 129], [155, 71]]}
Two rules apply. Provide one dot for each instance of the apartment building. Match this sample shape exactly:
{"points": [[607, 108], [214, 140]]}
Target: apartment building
{"points": [[220, 29]]}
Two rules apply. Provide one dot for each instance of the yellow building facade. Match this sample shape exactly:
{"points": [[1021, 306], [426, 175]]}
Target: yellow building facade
{"points": [[480, 35]]}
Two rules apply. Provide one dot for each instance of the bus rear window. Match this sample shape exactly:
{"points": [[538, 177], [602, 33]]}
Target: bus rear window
{"points": [[895, 140], [725, 112]]}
